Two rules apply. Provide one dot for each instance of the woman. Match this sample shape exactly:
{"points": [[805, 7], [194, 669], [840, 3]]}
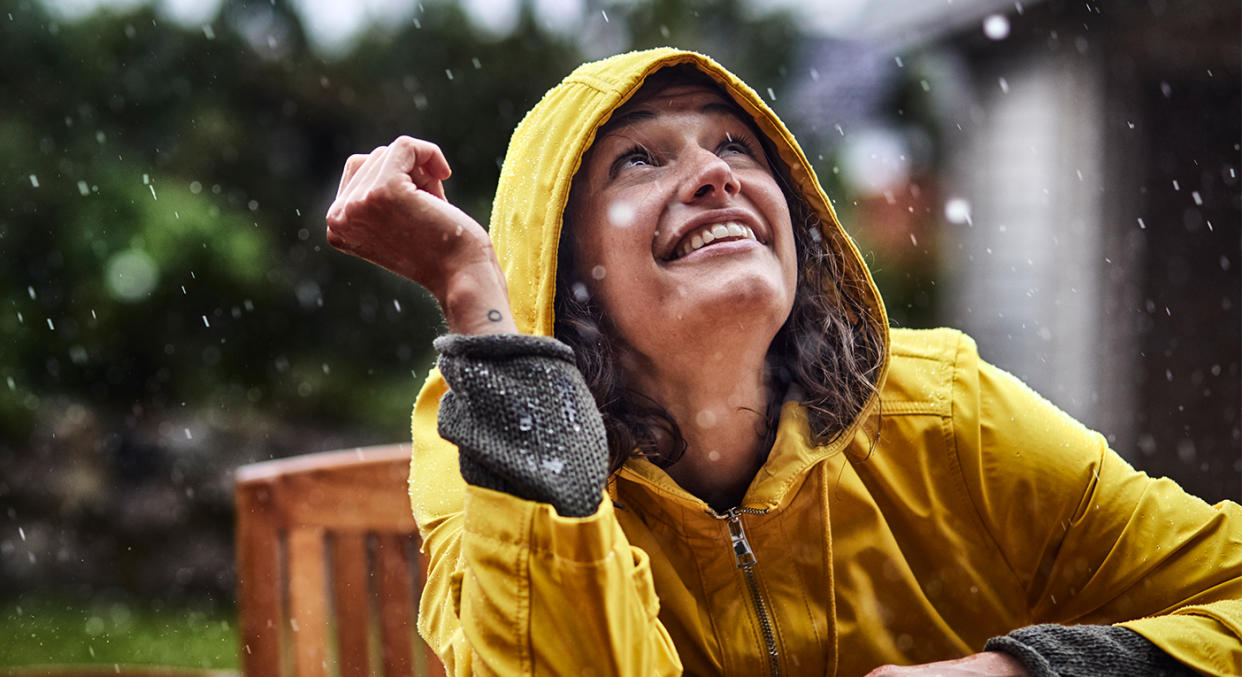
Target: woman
{"points": [[729, 464]]}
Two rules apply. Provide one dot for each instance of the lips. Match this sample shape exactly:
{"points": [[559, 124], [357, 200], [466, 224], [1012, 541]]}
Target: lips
{"points": [[712, 227], [710, 233]]}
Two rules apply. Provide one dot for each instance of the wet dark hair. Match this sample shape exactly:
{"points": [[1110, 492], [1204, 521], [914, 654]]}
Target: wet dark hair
{"points": [[831, 346]]}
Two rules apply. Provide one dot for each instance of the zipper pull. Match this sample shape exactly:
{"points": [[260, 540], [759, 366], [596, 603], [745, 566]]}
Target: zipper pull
{"points": [[741, 547]]}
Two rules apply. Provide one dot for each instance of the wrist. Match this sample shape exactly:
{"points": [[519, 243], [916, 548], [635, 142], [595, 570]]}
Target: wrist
{"points": [[475, 300]]}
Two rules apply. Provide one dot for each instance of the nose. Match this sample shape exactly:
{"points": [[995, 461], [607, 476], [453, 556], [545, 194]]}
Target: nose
{"points": [[709, 177]]}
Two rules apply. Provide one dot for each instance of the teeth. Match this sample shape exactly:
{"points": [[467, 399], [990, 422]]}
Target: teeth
{"points": [[718, 231]]}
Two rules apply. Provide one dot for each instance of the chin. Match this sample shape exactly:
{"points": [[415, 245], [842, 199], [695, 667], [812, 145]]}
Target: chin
{"points": [[743, 299]]}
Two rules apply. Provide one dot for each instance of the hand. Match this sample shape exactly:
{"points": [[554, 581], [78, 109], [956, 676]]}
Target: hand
{"points": [[391, 210], [987, 663]]}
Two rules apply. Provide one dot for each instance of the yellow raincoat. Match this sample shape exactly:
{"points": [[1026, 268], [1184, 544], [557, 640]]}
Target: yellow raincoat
{"points": [[978, 507]]}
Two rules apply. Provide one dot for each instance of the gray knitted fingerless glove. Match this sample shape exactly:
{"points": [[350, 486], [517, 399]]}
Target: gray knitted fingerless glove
{"points": [[1087, 651], [523, 420]]}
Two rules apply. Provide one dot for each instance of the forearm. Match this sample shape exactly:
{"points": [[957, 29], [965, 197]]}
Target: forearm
{"points": [[1098, 650], [475, 299], [523, 420]]}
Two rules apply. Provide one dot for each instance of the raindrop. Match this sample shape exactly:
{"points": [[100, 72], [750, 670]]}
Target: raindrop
{"points": [[205, 322], [1141, 224], [50, 325], [83, 188], [448, 73], [1165, 89], [396, 304], [621, 214], [188, 435], [131, 275], [1004, 85], [1186, 450], [34, 181], [1176, 185], [605, 14], [957, 210], [900, 63], [771, 94], [996, 27], [208, 33], [478, 65], [705, 419], [1197, 198], [30, 290], [20, 531]]}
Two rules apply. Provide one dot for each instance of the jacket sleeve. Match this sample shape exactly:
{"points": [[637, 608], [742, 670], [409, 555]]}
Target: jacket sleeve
{"points": [[514, 588], [1090, 539]]}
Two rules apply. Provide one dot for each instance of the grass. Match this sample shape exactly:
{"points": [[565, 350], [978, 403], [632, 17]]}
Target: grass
{"points": [[41, 631]]}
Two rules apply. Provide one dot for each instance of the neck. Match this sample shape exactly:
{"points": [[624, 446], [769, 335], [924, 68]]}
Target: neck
{"points": [[719, 402]]}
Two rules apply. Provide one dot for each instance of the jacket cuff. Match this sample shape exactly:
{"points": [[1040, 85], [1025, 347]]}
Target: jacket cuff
{"points": [[1082, 650], [502, 346]]}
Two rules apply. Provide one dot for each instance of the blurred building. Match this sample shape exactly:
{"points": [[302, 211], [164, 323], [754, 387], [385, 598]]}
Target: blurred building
{"points": [[1072, 170]]}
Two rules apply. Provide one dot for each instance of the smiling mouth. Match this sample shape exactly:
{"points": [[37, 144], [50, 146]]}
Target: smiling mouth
{"points": [[712, 233]]}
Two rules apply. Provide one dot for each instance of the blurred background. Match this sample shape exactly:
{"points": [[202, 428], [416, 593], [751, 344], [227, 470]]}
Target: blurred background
{"points": [[1059, 179]]}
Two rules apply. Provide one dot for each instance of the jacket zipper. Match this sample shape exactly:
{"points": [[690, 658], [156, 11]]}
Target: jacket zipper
{"points": [[745, 558]]}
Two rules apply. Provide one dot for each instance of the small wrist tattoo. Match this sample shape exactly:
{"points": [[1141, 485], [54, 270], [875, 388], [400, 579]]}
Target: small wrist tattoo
{"points": [[494, 315]]}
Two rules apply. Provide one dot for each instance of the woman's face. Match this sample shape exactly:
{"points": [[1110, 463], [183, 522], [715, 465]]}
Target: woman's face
{"points": [[681, 229]]}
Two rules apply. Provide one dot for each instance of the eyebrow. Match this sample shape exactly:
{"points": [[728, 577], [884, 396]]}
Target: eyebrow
{"points": [[636, 116]]}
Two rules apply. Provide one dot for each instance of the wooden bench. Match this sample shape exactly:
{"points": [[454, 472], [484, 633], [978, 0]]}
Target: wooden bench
{"points": [[328, 567]]}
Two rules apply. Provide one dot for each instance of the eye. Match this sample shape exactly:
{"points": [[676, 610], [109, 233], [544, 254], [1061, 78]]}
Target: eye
{"points": [[735, 144], [635, 156]]}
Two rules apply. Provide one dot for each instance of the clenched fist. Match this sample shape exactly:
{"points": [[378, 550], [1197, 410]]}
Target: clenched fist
{"points": [[391, 210]]}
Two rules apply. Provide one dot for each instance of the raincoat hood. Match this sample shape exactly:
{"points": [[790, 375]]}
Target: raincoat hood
{"points": [[546, 151], [548, 146]]}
